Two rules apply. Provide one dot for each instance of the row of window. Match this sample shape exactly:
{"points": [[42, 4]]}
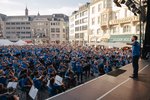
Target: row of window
{"points": [[84, 20], [98, 31], [55, 23], [18, 32], [126, 29], [57, 30], [84, 13], [18, 28], [79, 35], [28, 23], [52, 24], [53, 30], [22, 37], [17, 23], [81, 28], [57, 36], [99, 7], [98, 20]]}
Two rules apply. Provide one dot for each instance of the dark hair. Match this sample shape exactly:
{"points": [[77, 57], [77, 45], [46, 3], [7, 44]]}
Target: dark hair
{"points": [[135, 37]]}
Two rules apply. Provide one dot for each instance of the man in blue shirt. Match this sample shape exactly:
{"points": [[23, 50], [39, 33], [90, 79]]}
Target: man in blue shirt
{"points": [[135, 56]]}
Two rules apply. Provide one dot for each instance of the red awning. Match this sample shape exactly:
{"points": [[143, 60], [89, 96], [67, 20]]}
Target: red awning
{"points": [[28, 42]]}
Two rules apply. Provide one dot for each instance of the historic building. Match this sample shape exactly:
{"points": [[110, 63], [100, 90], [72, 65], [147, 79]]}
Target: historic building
{"points": [[79, 22], [107, 23], [37, 29]]}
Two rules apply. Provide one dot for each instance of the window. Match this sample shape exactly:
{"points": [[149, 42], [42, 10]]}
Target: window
{"points": [[84, 27], [92, 32], [77, 29], [115, 15], [8, 37], [76, 16], [64, 36], [40, 24], [22, 28], [93, 21], [104, 3], [64, 30], [84, 20], [28, 23], [12, 23], [22, 32], [23, 37], [53, 35], [84, 13], [28, 36], [7, 27], [98, 31], [93, 10], [58, 35], [58, 23], [28, 32], [12, 27], [22, 23], [7, 32], [104, 18], [99, 7], [81, 35], [17, 23], [77, 35], [18, 28], [99, 20], [77, 22], [53, 30], [27, 27], [7, 23], [58, 30], [126, 28], [114, 29]]}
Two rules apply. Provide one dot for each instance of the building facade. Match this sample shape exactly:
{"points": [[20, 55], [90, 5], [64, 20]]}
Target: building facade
{"points": [[17, 27], [108, 23], [123, 24], [99, 12], [79, 22], [2, 17], [37, 29]]}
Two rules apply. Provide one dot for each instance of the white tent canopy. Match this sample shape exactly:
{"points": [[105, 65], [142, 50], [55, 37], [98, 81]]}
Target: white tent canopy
{"points": [[4, 42], [20, 43]]}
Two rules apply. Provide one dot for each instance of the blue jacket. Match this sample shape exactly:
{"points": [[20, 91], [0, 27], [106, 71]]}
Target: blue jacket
{"points": [[136, 49]]}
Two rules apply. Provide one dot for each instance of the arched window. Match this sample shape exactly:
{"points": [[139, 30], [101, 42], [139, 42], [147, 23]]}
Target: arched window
{"points": [[126, 28], [138, 28]]}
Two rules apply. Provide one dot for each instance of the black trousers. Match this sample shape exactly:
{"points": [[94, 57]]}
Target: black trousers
{"points": [[135, 65]]}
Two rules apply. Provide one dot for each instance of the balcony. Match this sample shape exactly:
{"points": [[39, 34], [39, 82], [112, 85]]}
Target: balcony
{"points": [[104, 23], [124, 20]]}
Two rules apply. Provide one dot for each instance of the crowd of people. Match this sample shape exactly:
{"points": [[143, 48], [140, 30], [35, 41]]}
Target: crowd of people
{"points": [[36, 65]]}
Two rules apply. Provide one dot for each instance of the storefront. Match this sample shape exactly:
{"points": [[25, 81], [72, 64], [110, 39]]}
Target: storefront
{"points": [[121, 38]]}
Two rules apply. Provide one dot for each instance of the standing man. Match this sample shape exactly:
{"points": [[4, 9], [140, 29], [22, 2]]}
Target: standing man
{"points": [[135, 56]]}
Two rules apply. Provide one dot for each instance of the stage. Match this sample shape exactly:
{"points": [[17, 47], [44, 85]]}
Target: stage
{"points": [[113, 86]]}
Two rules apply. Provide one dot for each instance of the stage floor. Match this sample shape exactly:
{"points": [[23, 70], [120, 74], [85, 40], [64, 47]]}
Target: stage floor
{"points": [[114, 86]]}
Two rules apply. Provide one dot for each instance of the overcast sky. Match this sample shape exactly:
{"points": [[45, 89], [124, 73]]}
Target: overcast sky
{"points": [[17, 7]]}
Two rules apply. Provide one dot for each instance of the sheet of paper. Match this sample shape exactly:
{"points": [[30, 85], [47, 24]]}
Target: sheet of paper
{"points": [[12, 84], [58, 80], [48, 83], [33, 92]]}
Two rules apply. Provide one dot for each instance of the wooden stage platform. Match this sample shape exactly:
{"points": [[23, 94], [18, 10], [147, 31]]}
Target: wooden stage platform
{"points": [[114, 86]]}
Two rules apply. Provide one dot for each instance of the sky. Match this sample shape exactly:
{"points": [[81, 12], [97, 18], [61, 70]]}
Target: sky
{"points": [[45, 7]]}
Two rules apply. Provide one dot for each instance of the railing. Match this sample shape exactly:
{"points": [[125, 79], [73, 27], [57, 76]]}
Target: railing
{"points": [[124, 20]]}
